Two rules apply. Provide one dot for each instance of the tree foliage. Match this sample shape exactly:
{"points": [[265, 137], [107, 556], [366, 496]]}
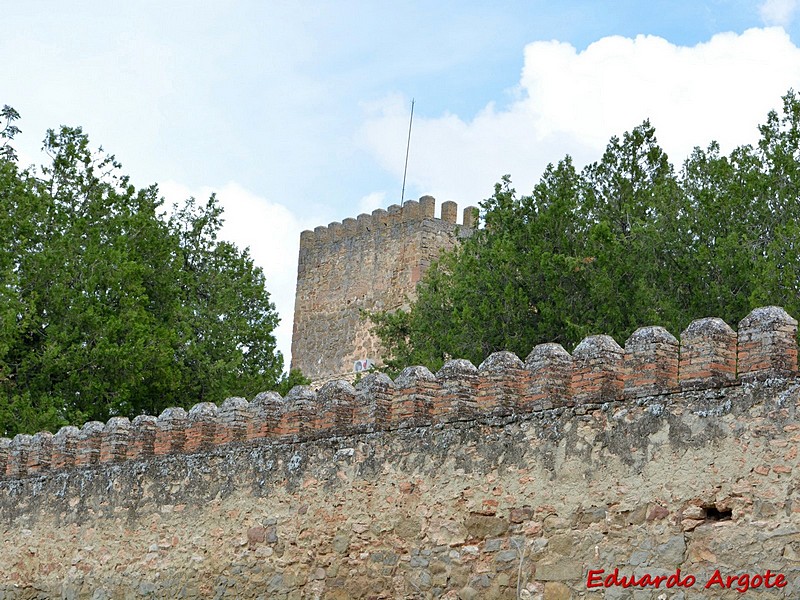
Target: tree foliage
{"points": [[628, 241], [109, 308]]}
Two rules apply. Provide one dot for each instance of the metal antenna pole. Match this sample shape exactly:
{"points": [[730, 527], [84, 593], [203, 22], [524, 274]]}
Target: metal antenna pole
{"points": [[408, 147]]}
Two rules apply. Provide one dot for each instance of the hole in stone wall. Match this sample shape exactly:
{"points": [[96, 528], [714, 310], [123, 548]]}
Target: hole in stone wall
{"points": [[715, 514]]}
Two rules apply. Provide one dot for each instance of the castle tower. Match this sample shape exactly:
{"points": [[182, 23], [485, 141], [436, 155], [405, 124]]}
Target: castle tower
{"points": [[362, 265]]}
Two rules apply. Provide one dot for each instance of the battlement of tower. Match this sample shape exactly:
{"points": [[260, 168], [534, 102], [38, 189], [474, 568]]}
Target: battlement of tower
{"points": [[412, 211]]}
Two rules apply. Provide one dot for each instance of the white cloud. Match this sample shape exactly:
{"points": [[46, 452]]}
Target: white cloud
{"points": [[371, 201], [778, 12], [271, 231], [572, 102]]}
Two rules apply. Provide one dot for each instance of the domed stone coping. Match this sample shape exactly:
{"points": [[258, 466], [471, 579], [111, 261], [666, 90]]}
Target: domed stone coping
{"points": [[707, 354], [90, 439], [373, 404], [18, 456], [40, 457], [266, 410], [116, 440], [201, 427], [5, 450], [651, 363], [502, 382], [549, 378], [415, 391], [233, 417], [767, 344], [457, 400], [65, 447], [143, 437], [335, 402], [597, 370], [170, 431], [299, 411]]}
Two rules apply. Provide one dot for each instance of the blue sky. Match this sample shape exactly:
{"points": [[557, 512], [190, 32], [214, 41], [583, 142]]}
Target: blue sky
{"points": [[296, 113]]}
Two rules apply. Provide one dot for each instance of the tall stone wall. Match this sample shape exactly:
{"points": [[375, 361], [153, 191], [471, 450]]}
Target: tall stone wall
{"points": [[662, 469], [366, 264]]}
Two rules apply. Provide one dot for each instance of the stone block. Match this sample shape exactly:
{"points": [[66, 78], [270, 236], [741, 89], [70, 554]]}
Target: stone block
{"points": [[559, 570], [115, 440], [266, 411], [65, 447], [349, 227], [458, 379], [234, 417], [374, 395], [767, 344], [170, 431], [41, 453], [416, 390], [651, 363], [336, 402], [143, 437], [707, 354], [427, 206], [18, 456], [301, 407], [550, 378], [470, 217], [363, 223], [502, 380], [201, 427], [597, 374], [411, 211], [90, 439], [5, 449]]}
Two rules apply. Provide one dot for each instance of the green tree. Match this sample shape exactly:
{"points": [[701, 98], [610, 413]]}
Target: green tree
{"points": [[108, 308], [626, 204], [19, 411], [226, 318], [627, 242], [517, 278]]}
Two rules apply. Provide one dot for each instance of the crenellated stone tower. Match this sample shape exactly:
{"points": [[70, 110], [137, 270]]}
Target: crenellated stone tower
{"points": [[366, 264]]}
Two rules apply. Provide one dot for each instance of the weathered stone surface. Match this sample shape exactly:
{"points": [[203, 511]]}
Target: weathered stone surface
{"points": [[767, 345], [651, 363], [708, 354], [550, 379], [555, 590], [484, 526], [369, 264], [502, 383], [459, 390], [476, 508], [411, 376], [561, 570], [597, 370]]}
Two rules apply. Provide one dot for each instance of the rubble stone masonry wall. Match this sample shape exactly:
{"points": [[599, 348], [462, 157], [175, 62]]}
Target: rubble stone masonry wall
{"points": [[370, 263], [674, 463]]}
